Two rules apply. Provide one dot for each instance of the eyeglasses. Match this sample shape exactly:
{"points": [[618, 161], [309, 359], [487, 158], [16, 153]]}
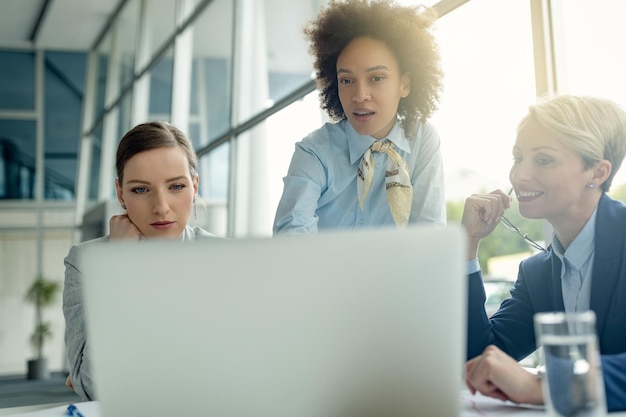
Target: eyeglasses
{"points": [[507, 223]]}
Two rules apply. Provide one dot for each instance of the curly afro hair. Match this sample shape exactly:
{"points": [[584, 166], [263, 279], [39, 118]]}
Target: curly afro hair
{"points": [[406, 32]]}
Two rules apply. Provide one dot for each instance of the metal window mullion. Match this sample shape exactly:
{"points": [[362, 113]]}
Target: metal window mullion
{"points": [[109, 131], [543, 47], [40, 153], [183, 58], [85, 145]]}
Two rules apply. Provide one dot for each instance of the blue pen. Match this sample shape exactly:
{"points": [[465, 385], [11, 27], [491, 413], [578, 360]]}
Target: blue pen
{"points": [[72, 410]]}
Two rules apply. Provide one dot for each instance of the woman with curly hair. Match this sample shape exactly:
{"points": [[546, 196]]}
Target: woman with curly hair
{"points": [[377, 67]]}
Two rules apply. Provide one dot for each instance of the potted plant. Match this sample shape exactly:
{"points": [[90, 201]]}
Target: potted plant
{"points": [[42, 293]]}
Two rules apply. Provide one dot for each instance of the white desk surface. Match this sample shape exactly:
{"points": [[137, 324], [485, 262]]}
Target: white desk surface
{"points": [[471, 406]]}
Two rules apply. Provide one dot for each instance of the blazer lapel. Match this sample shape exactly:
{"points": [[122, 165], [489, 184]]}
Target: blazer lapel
{"points": [[607, 263], [557, 291]]}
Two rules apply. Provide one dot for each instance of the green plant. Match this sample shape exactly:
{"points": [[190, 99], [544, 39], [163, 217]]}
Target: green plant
{"points": [[41, 293]]}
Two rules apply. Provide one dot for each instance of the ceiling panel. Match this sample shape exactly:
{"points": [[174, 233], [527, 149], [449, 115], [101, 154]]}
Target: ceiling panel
{"points": [[17, 19], [67, 24]]}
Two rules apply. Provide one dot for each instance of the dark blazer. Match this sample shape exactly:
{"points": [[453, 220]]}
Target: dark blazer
{"points": [[538, 289]]}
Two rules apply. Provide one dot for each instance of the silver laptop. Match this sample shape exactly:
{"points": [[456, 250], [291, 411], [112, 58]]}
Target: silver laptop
{"points": [[342, 324]]}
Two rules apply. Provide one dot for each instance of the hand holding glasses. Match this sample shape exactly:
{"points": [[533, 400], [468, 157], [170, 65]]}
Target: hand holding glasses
{"points": [[507, 223]]}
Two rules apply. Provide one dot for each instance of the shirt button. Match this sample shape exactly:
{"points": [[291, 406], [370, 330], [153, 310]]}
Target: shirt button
{"points": [[361, 221]]}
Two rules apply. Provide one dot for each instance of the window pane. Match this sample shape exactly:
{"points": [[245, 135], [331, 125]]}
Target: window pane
{"points": [[17, 159], [211, 81], [127, 31], [488, 85], [289, 63], [96, 153], [64, 88], [589, 61], [124, 114], [213, 170], [161, 78], [17, 80], [273, 53], [160, 20], [102, 65]]}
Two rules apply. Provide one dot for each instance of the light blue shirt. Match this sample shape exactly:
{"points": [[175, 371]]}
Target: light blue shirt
{"points": [[577, 266], [320, 189]]}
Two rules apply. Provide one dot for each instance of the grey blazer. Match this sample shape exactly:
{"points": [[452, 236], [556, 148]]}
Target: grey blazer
{"points": [[75, 329]]}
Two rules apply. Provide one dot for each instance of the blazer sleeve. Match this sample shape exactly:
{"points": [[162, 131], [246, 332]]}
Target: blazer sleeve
{"points": [[511, 327], [614, 373], [75, 331], [479, 334]]}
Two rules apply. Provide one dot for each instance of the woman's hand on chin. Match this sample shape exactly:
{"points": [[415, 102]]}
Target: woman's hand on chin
{"points": [[121, 228]]}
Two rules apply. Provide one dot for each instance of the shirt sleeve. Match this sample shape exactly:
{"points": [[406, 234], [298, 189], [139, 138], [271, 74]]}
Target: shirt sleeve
{"points": [[303, 186], [75, 332], [473, 266], [429, 200]]}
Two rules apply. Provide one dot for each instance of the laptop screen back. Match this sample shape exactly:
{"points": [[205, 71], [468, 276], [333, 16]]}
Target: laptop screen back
{"points": [[338, 324]]}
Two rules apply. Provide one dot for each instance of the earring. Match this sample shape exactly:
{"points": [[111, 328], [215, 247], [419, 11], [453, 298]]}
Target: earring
{"points": [[592, 185], [124, 206]]}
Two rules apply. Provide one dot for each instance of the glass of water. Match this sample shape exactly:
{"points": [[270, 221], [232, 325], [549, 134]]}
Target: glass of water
{"points": [[573, 384]]}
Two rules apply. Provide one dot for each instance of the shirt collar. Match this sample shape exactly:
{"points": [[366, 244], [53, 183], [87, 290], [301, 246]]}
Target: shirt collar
{"points": [[188, 234], [358, 144], [582, 247]]}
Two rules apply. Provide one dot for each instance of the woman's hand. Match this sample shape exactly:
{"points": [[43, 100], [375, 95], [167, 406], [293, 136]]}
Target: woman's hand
{"points": [[496, 374], [68, 382], [121, 228], [481, 214]]}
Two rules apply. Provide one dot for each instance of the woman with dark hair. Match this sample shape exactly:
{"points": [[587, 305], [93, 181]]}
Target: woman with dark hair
{"points": [[157, 184], [377, 67]]}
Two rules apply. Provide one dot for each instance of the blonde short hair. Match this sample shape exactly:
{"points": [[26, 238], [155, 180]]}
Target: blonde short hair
{"points": [[594, 128]]}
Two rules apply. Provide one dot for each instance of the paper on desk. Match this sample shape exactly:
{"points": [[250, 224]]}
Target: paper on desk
{"points": [[479, 405], [87, 409]]}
